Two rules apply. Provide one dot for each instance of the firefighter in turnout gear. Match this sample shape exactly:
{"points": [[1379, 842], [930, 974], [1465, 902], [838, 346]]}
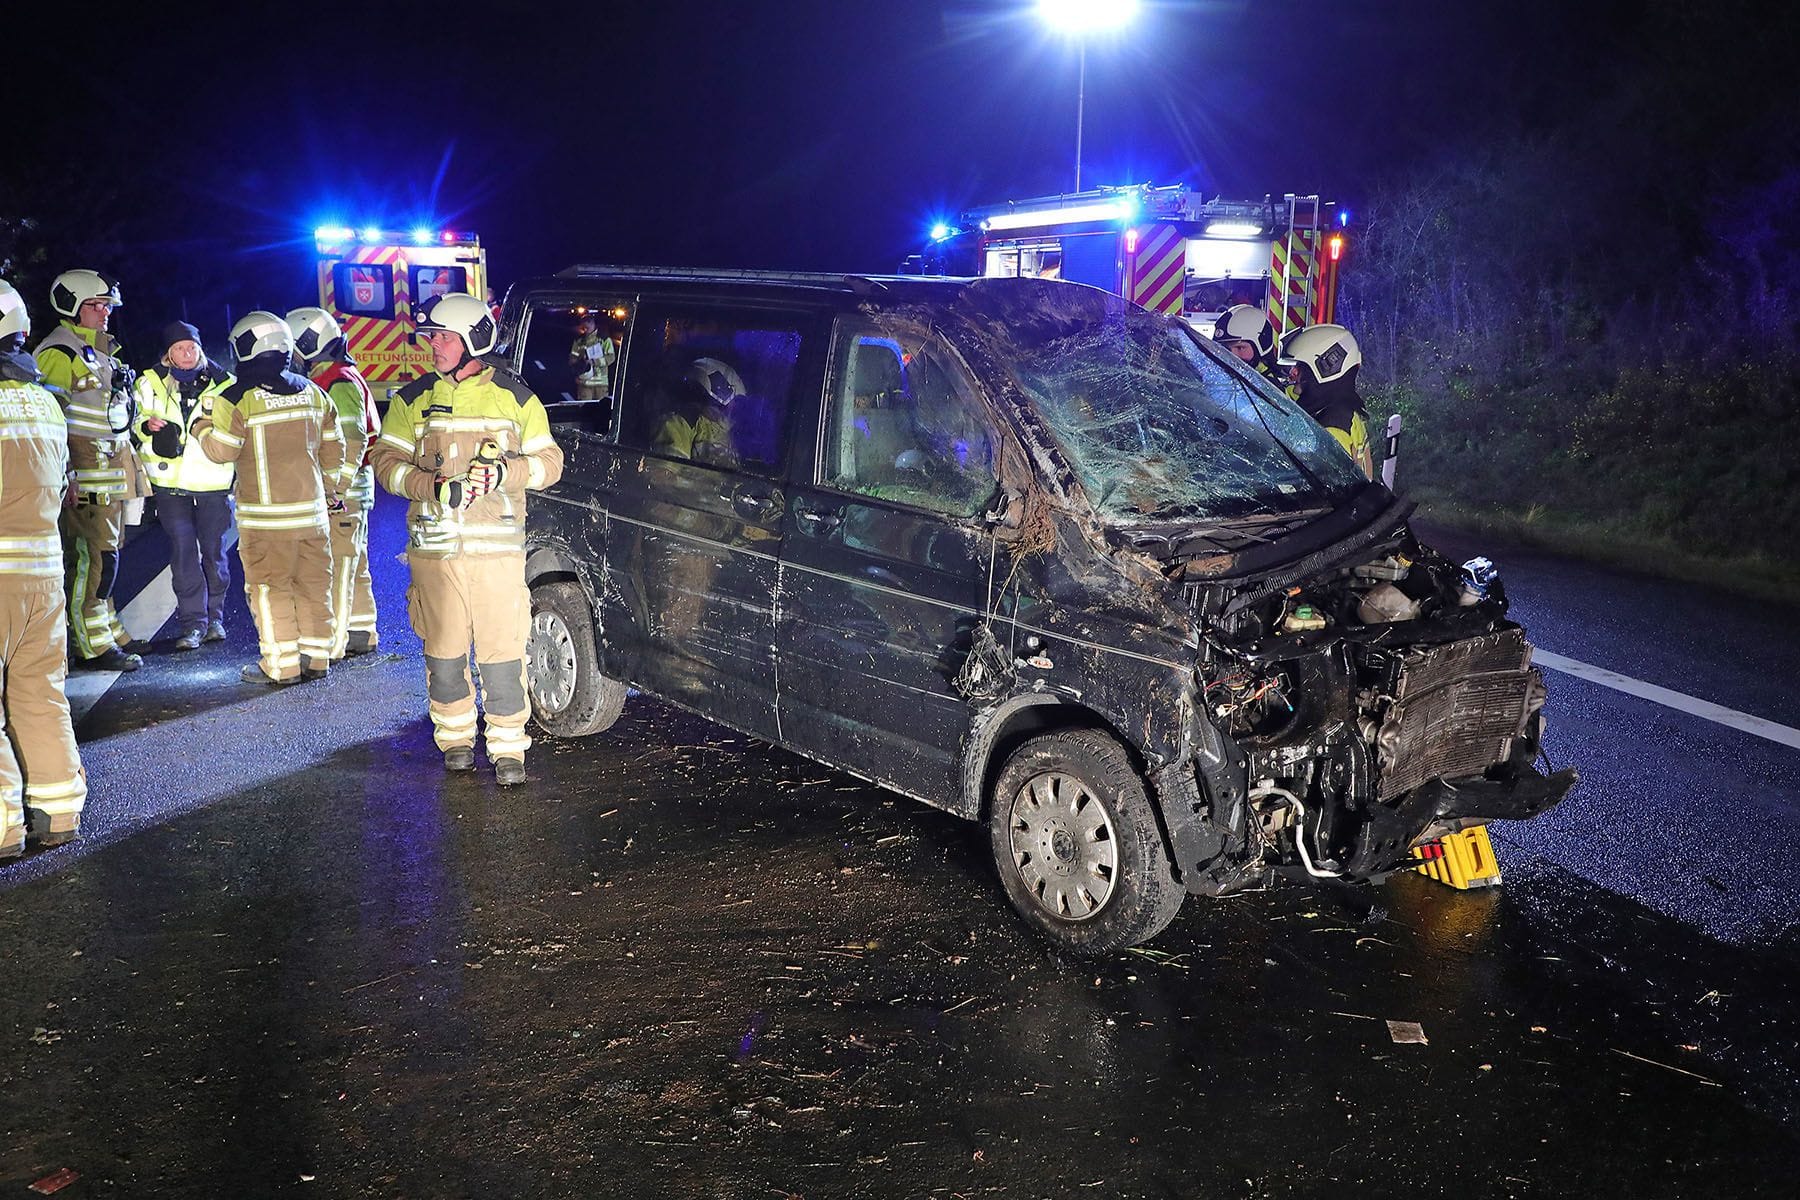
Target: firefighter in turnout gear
{"points": [[1244, 330], [592, 357], [78, 358], [464, 446], [1323, 361], [193, 493], [282, 432], [319, 344], [42, 785]]}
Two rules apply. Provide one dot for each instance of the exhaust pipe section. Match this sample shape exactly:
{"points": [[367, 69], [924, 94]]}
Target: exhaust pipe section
{"points": [[1267, 788]]}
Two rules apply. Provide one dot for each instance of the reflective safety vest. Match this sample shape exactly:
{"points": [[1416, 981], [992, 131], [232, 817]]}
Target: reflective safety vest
{"points": [[1355, 441], [34, 463], [80, 361], [434, 428], [288, 450], [597, 351], [159, 398], [358, 422]]}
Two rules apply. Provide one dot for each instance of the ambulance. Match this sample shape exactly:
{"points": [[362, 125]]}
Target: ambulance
{"points": [[373, 281], [1171, 250]]}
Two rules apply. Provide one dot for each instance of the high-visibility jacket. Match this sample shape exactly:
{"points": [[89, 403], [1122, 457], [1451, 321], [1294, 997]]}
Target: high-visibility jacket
{"points": [[358, 422], [289, 452], [160, 396], [80, 362], [434, 428], [596, 352], [34, 463]]}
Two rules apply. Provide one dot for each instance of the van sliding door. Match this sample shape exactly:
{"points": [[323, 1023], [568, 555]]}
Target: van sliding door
{"points": [[698, 503]]}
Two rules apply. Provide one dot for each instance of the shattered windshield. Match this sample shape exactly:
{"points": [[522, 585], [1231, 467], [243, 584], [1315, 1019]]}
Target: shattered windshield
{"points": [[1156, 427]]}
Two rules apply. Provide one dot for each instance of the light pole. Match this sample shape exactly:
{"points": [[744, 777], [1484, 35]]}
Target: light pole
{"points": [[1078, 19]]}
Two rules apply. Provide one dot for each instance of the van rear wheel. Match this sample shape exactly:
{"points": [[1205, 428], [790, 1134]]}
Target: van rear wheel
{"points": [[569, 695], [1077, 845]]}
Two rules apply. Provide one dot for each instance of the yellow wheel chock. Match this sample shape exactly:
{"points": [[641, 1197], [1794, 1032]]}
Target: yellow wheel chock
{"points": [[1460, 860]]}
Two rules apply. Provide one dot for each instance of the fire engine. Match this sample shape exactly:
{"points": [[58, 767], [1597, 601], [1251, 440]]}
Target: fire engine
{"points": [[1173, 251], [373, 280]]}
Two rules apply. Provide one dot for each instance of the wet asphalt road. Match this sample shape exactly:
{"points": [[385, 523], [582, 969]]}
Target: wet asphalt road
{"points": [[289, 957]]}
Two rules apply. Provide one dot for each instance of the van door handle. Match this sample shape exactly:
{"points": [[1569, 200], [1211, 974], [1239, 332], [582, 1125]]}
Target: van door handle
{"points": [[818, 520], [759, 506]]}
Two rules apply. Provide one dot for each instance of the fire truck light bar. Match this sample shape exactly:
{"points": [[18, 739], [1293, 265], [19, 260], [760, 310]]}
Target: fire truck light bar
{"points": [[1233, 229], [1110, 210]]}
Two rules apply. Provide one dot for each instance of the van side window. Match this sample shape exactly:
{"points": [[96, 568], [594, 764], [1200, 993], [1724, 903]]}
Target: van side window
{"points": [[571, 353], [711, 385], [905, 423]]}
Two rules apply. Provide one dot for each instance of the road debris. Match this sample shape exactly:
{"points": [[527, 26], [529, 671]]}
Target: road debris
{"points": [[1667, 1067], [55, 1181]]}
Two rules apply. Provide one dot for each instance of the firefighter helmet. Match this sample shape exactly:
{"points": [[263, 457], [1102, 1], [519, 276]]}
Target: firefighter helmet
{"points": [[1246, 323], [261, 332], [463, 315], [719, 380], [72, 289], [314, 331], [1327, 351], [13, 316]]}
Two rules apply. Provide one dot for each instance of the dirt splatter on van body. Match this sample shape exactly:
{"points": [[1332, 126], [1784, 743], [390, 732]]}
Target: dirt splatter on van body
{"points": [[1039, 557]]}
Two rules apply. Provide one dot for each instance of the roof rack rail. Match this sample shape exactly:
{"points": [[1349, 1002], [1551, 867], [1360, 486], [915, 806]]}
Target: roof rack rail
{"points": [[850, 280]]}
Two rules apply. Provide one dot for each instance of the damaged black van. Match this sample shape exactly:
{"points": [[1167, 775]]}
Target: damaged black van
{"points": [[1028, 553]]}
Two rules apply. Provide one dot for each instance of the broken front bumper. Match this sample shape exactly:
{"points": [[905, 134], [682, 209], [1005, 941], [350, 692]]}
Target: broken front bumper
{"points": [[1390, 830]]}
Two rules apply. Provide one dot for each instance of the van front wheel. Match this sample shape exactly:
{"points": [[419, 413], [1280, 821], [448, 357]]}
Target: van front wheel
{"points": [[569, 695], [1077, 846]]}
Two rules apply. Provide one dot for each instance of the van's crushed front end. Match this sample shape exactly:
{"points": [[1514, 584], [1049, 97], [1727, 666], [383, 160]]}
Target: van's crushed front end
{"points": [[1370, 698], [1353, 693]]}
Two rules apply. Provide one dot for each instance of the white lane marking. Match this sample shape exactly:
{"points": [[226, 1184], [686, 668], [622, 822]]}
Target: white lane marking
{"points": [[1775, 732], [147, 613]]}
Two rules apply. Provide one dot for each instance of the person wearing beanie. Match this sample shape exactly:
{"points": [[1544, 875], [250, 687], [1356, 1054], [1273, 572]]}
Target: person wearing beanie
{"points": [[193, 493]]}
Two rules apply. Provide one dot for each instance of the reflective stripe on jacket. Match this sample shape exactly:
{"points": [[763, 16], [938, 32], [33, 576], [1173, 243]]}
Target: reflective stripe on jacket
{"points": [[80, 362], [434, 428], [288, 450], [159, 398], [34, 463], [358, 422]]}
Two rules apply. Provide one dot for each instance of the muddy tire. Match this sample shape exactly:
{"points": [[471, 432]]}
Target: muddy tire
{"points": [[569, 695], [1077, 845]]}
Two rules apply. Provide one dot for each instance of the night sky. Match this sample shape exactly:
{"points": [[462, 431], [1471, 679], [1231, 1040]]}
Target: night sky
{"points": [[798, 135]]}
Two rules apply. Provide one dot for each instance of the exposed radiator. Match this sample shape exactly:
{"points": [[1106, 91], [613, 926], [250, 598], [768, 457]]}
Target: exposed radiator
{"points": [[1458, 708]]}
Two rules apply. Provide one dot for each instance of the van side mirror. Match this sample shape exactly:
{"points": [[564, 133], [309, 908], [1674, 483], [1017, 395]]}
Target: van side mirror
{"points": [[1008, 510]]}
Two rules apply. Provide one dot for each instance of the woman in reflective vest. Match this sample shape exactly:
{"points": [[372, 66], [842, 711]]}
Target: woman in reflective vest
{"points": [[193, 493]]}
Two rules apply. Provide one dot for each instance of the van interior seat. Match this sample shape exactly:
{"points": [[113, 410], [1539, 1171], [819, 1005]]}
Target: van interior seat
{"points": [[882, 426]]}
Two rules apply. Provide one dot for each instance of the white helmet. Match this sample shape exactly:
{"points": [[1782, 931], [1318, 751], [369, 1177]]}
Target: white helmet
{"points": [[13, 316], [260, 332], [717, 379], [314, 330], [463, 315], [72, 289], [1328, 351], [1246, 323]]}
